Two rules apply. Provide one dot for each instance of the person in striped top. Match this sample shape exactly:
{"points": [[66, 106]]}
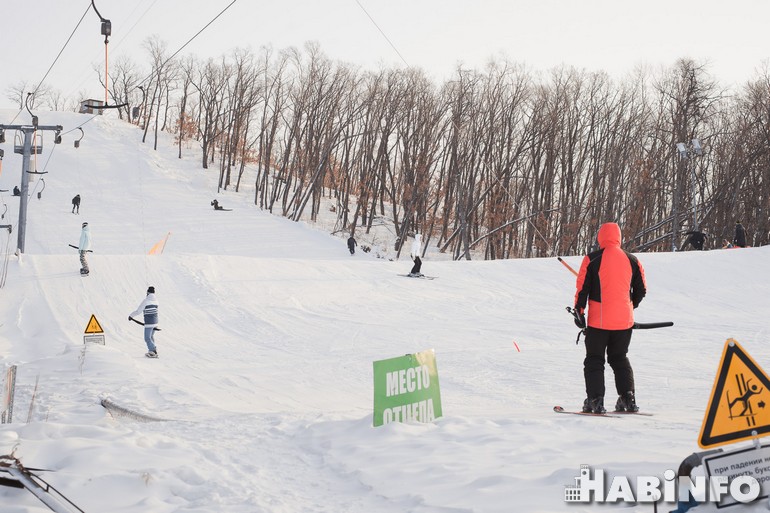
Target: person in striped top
{"points": [[149, 309]]}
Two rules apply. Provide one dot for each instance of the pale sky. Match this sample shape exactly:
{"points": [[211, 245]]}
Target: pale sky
{"points": [[436, 35]]}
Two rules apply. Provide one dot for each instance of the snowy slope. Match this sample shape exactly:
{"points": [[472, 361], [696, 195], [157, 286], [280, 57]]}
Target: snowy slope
{"points": [[269, 331]]}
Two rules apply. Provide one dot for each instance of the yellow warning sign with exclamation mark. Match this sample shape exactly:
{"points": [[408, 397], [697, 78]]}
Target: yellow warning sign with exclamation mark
{"points": [[94, 326]]}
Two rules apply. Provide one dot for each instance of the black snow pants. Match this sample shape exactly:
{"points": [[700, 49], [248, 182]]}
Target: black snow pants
{"points": [[615, 343], [417, 265]]}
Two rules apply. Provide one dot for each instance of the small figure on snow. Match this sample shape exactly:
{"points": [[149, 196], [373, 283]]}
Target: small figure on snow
{"points": [[352, 244], [149, 309], [83, 247], [415, 254], [16, 191], [76, 204], [216, 205], [611, 293], [740, 235], [696, 239]]}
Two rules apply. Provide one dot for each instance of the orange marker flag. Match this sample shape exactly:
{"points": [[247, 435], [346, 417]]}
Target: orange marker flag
{"points": [[157, 249]]}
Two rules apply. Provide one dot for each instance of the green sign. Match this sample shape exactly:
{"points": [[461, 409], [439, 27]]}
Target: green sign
{"points": [[406, 389]]}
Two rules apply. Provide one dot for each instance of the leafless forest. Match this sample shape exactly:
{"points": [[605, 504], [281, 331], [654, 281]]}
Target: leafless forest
{"points": [[499, 163]]}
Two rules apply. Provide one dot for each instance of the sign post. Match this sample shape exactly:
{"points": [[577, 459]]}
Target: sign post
{"points": [[9, 390], [94, 332]]}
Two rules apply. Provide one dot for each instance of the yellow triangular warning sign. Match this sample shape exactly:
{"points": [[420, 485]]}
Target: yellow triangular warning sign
{"points": [[739, 407], [94, 326]]}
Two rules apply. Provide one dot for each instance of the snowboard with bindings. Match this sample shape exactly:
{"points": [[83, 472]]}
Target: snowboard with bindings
{"points": [[559, 409], [421, 277]]}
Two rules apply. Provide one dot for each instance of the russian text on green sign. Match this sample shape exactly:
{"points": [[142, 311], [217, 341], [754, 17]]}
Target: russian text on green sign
{"points": [[406, 389]]}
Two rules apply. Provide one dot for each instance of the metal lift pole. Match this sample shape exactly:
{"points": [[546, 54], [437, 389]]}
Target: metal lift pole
{"points": [[24, 188], [29, 131]]}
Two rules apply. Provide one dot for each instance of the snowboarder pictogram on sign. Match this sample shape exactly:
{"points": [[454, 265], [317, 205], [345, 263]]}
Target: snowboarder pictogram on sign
{"points": [[738, 408], [93, 326]]}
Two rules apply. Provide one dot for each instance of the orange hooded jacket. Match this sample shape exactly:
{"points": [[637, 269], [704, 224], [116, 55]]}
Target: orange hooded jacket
{"points": [[611, 282]]}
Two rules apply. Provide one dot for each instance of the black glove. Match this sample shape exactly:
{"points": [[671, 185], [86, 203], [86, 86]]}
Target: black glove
{"points": [[129, 318], [580, 318]]}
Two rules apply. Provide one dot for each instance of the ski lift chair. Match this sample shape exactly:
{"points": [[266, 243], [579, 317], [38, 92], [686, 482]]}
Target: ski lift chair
{"points": [[18, 143]]}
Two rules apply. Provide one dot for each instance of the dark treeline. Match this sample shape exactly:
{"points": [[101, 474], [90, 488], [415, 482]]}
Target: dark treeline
{"points": [[502, 163]]}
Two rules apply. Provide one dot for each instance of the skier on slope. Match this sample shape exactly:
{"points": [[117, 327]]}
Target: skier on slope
{"points": [[611, 283], [149, 309], [415, 254]]}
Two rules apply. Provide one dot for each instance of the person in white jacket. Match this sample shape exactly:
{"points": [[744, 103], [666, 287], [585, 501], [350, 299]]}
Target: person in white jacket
{"points": [[415, 254], [83, 247], [149, 309]]}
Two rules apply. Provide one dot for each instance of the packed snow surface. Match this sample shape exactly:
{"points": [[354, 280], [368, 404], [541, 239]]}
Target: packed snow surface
{"points": [[269, 329]]}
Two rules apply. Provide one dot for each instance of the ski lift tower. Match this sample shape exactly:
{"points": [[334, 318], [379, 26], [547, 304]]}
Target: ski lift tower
{"points": [[26, 150]]}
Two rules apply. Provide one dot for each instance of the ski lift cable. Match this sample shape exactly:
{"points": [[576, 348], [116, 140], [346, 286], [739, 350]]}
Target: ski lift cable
{"points": [[55, 60], [81, 124], [383, 33], [529, 218], [87, 68], [61, 51], [163, 64], [45, 166], [191, 39], [106, 32], [131, 29]]}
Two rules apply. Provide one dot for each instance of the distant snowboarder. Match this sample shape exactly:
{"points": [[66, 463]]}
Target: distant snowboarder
{"points": [[76, 204], [83, 247], [415, 254], [216, 206], [149, 309], [16, 191], [352, 244]]}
